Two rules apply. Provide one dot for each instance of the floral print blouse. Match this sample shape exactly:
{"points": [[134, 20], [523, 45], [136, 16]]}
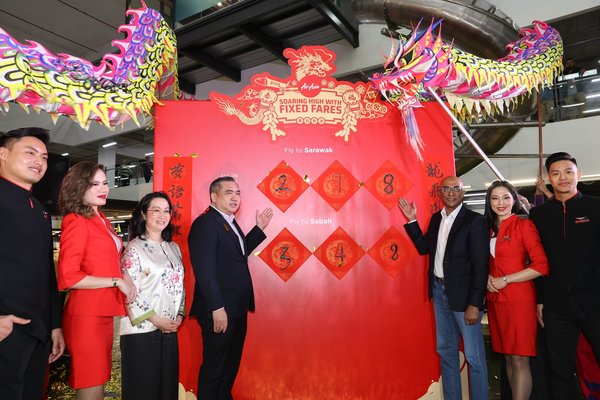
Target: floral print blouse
{"points": [[157, 272]]}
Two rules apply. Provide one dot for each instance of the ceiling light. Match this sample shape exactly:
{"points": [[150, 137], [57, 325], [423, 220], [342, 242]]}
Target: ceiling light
{"points": [[474, 202], [516, 182], [64, 154], [109, 144], [592, 111], [149, 154], [590, 177], [124, 216], [531, 181], [573, 105], [592, 96]]}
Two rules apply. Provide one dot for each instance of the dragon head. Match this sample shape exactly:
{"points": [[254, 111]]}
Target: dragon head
{"points": [[420, 62], [305, 63]]}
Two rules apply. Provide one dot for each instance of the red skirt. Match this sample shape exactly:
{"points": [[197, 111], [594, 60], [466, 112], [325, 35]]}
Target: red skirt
{"points": [[513, 327], [89, 341]]}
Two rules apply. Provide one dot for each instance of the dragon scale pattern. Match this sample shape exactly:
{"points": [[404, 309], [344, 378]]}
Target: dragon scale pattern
{"points": [[473, 86], [123, 86]]}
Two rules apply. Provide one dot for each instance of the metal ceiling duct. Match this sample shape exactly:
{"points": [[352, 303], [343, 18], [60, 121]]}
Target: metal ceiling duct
{"points": [[475, 26]]}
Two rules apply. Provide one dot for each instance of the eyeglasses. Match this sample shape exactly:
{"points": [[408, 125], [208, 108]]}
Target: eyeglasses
{"points": [[448, 189], [157, 212]]}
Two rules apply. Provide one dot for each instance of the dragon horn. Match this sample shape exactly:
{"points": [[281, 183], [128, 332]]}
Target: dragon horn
{"points": [[411, 39], [436, 24], [390, 57], [399, 54], [419, 35]]}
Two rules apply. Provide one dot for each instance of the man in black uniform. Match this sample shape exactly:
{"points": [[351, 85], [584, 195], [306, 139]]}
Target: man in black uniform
{"points": [[569, 226], [30, 308]]}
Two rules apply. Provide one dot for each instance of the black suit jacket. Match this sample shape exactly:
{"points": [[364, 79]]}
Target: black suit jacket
{"points": [[27, 276], [466, 259], [221, 268]]}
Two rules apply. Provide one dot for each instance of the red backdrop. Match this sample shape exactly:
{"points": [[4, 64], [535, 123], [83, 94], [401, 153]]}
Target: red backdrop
{"points": [[321, 330]]}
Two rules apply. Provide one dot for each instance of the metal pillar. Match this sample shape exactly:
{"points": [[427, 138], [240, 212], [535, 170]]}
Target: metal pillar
{"points": [[467, 135]]}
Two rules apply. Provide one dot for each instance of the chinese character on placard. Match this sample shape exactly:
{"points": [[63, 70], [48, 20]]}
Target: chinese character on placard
{"points": [[434, 171], [177, 211], [176, 191], [435, 188], [176, 230], [176, 171]]}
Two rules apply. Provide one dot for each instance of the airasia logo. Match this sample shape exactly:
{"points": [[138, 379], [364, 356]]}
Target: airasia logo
{"points": [[310, 86]]}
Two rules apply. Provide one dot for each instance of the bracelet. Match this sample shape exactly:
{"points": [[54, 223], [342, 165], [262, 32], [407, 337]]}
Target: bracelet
{"points": [[505, 279], [115, 281]]}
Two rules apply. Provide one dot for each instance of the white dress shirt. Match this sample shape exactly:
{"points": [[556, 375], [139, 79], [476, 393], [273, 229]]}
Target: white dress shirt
{"points": [[445, 226]]}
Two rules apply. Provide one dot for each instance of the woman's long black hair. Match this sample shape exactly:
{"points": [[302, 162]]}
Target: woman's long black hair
{"points": [[137, 224]]}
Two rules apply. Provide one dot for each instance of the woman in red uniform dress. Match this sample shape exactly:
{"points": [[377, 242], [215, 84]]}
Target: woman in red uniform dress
{"points": [[88, 266], [511, 292]]}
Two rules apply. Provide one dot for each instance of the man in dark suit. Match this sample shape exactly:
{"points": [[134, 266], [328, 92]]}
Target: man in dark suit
{"points": [[30, 308], [223, 293], [457, 242]]}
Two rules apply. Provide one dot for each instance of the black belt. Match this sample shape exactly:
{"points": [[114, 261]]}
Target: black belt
{"points": [[438, 279]]}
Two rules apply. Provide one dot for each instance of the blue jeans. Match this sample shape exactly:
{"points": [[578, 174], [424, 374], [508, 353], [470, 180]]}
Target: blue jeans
{"points": [[449, 326]]}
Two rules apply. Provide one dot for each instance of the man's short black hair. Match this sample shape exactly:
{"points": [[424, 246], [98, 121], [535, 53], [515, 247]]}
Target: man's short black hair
{"points": [[216, 184], [560, 156], [10, 137]]}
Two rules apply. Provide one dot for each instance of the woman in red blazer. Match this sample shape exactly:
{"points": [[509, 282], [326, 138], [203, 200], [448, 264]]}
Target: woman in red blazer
{"points": [[511, 293], [88, 266]]}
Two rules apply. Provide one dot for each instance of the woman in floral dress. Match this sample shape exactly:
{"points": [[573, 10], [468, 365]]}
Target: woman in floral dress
{"points": [[149, 350]]}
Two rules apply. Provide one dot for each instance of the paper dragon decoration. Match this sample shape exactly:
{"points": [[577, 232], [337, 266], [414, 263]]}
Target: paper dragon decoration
{"points": [[123, 86], [472, 85]]}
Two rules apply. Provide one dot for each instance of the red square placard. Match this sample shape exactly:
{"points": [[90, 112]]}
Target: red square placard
{"points": [[285, 254], [387, 184], [392, 251], [336, 185], [283, 186], [339, 253]]}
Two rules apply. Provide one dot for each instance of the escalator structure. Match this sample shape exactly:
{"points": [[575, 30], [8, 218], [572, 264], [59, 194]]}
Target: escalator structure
{"points": [[475, 26]]}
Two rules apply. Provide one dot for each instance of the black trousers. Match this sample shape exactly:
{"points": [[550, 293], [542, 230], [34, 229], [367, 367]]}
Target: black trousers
{"points": [[562, 334], [221, 356], [149, 366], [23, 366]]}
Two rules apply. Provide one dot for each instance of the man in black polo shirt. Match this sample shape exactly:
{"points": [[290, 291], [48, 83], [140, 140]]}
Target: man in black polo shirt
{"points": [[30, 308], [569, 226]]}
